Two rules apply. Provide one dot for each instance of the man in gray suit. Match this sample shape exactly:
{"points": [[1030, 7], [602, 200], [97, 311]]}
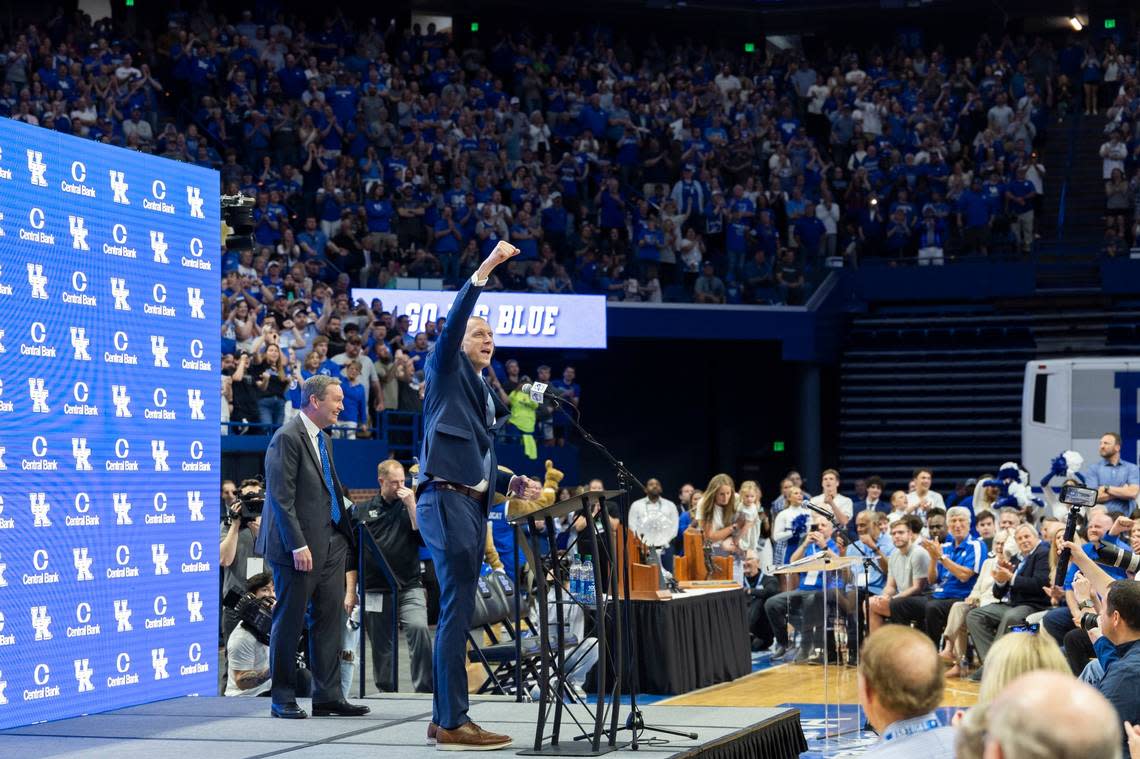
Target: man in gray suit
{"points": [[306, 536]]}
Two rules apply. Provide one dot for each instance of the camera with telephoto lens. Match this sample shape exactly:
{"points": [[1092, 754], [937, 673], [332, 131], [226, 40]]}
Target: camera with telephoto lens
{"points": [[1089, 621], [256, 613], [1112, 555]]}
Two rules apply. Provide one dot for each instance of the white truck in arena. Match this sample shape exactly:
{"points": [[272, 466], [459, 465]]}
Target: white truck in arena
{"points": [[1069, 403]]}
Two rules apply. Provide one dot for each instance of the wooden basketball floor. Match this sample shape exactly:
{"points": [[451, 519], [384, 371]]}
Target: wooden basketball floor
{"points": [[802, 684]]}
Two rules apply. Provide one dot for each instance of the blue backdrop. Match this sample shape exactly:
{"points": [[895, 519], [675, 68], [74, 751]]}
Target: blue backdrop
{"points": [[109, 401]]}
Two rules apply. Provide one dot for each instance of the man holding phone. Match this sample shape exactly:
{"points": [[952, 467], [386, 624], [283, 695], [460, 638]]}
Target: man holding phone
{"points": [[809, 598]]}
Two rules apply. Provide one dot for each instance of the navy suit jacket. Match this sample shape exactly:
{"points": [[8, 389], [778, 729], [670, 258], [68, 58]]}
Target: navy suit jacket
{"points": [[1027, 588], [457, 437]]}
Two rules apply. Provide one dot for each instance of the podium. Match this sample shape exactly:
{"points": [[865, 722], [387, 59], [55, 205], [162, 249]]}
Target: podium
{"points": [[698, 568], [552, 645], [823, 562]]}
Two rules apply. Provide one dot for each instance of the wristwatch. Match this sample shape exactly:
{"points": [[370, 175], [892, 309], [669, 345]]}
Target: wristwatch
{"points": [[1086, 604]]}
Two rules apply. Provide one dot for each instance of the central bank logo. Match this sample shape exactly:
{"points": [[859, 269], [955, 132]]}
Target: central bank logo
{"points": [[159, 453], [3, 582], [121, 293], [41, 622], [38, 503], [119, 187], [38, 393], [83, 675], [79, 343], [159, 350], [122, 508], [159, 247], [159, 660], [194, 198], [160, 557], [122, 616], [82, 564], [37, 281], [78, 229], [81, 453], [3, 685], [37, 168], [121, 400]]}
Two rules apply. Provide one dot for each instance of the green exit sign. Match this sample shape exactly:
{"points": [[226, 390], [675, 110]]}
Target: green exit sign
{"points": [[1110, 23], [778, 446], [474, 26], [750, 47], [130, 3]]}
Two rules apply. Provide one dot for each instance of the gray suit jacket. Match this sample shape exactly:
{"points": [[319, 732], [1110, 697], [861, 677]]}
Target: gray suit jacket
{"points": [[297, 509]]}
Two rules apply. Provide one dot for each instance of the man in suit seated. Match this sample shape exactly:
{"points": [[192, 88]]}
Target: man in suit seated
{"points": [[1020, 591], [458, 480]]}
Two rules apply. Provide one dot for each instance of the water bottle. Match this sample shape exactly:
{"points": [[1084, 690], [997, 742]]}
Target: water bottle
{"points": [[738, 571], [575, 578], [588, 587]]}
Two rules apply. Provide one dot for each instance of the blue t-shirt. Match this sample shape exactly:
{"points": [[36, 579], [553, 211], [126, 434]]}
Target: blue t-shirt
{"points": [[875, 578], [975, 209], [814, 580], [969, 553]]}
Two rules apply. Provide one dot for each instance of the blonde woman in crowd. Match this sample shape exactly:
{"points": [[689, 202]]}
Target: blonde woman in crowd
{"points": [[718, 512], [1012, 656]]}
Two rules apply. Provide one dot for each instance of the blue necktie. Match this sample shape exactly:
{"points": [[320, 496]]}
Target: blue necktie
{"points": [[326, 468]]}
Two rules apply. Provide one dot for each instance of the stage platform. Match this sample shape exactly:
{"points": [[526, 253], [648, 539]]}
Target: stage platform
{"points": [[241, 728]]}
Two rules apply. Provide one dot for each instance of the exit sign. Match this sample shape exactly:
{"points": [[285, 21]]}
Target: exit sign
{"points": [[474, 26], [750, 47], [778, 446], [1110, 23]]}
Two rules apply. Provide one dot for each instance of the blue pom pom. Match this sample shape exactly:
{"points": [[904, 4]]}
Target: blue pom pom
{"points": [[799, 524], [1059, 466]]}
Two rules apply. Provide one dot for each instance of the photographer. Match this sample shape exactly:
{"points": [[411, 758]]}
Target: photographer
{"points": [[1118, 623], [241, 520], [247, 648], [390, 519]]}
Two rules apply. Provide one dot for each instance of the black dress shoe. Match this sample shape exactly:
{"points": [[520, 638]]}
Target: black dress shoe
{"points": [[340, 709], [288, 711]]}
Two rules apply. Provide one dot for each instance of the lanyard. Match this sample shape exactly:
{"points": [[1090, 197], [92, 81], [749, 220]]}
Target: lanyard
{"points": [[911, 727]]}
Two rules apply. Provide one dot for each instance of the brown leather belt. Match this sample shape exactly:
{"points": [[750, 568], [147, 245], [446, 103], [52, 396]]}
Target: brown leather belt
{"points": [[471, 493]]}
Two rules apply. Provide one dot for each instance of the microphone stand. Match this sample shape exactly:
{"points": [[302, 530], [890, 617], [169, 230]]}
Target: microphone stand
{"points": [[829, 516], [635, 723]]}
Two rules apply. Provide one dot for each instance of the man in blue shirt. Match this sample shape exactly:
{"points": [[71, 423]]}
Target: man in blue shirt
{"points": [[954, 567], [809, 598], [975, 215], [869, 577], [900, 685], [1117, 481], [1019, 195]]}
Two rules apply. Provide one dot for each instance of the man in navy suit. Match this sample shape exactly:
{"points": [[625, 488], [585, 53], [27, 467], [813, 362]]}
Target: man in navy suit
{"points": [[458, 480], [306, 536], [1020, 591]]}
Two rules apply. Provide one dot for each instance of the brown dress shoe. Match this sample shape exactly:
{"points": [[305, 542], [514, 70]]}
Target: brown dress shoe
{"points": [[469, 737], [433, 730]]}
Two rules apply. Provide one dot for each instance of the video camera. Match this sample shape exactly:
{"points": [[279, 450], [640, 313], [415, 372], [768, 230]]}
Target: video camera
{"points": [[251, 496], [255, 613]]}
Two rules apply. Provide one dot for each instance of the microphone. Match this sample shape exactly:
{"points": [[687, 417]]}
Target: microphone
{"points": [[539, 392], [822, 512]]}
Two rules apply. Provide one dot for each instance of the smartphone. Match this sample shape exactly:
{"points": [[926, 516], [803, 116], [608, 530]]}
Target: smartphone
{"points": [[1031, 629], [1078, 496]]}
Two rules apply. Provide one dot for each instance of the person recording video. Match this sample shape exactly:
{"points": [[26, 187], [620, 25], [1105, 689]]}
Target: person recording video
{"points": [[238, 556], [247, 647]]}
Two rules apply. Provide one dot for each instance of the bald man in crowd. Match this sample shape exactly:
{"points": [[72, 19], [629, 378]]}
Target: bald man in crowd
{"points": [[1049, 715], [900, 685]]}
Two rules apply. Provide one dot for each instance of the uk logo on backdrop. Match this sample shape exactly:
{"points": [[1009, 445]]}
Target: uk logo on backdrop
{"points": [[72, 315]]}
